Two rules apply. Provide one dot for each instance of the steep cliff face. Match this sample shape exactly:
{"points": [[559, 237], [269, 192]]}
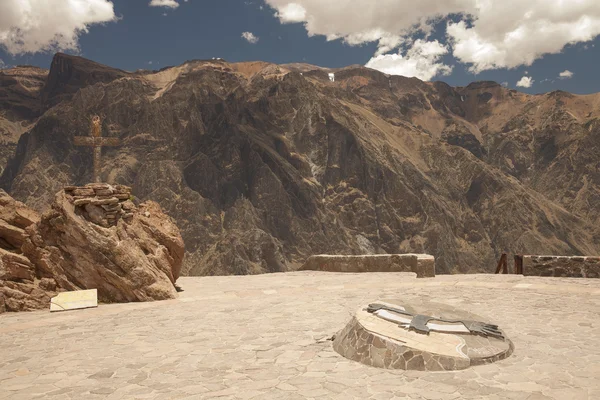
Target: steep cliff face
{"points": [[20, 105], [264, 165], [68, 74]]}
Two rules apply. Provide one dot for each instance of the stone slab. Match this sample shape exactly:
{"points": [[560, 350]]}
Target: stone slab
{"points": [[74, 300], [421, 264], [561, 266]]}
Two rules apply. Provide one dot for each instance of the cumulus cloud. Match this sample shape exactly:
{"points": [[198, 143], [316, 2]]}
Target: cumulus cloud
{"points": [[484, 34], [291, 13], [2, 64], [249, 36], [29, 26], [525, 82], [513, 32], [421, 61], [566, 74], [164, 3], [387, 22]]}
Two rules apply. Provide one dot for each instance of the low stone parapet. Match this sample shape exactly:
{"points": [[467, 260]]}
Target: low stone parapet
{"points": [[421, 264], [562, 266]]}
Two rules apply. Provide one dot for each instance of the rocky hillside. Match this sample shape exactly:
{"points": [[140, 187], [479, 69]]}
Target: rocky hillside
{"points": [[264, 165]]}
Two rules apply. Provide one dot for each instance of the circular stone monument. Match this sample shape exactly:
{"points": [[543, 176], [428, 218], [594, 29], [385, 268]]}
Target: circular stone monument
{"points": [[425, 336]]}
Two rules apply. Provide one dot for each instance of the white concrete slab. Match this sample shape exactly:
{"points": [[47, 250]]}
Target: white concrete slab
{"points": [[74, 300]]}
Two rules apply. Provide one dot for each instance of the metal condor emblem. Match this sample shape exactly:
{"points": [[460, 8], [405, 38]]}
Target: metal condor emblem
{"points": [[418, 322]]}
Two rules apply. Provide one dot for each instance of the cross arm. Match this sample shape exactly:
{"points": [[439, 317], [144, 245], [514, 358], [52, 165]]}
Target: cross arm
{"points": [[96, 141]]}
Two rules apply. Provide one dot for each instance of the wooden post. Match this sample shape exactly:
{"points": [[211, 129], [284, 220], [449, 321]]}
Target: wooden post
{"points": [[502, 264], [518, 264]]}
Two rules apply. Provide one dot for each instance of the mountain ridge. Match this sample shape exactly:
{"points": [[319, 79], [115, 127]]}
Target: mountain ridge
{"points": [[263, 165]]}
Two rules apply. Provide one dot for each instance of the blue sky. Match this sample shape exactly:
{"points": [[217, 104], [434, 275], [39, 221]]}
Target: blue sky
{"points": [[141, 36]]}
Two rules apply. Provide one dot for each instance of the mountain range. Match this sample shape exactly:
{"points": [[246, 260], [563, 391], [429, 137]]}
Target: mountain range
{"points": [[262, 165]]}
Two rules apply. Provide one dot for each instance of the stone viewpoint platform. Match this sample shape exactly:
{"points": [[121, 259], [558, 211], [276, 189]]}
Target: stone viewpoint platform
{"points": [[267, 337]]}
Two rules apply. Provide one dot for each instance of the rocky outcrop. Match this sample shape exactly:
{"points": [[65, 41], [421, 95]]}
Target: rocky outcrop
{"points": [[263, 165], [134, 253]]}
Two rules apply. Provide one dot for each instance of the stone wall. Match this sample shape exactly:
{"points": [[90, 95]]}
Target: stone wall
{"points": [[101, 203], [421, 264], [562, 266]]}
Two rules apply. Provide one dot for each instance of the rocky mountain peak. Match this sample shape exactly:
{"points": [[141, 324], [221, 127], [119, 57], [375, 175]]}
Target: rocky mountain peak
{"points": [[70, 73]]}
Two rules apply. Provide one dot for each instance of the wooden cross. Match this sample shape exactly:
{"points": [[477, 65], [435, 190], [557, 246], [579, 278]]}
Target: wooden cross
{"points": [[96, 141]]}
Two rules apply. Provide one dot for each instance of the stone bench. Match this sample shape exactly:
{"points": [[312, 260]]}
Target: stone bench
{"points": [[421, 264], [561, 266]]}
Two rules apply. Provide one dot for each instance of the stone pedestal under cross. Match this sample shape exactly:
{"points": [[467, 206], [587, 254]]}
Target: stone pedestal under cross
{"points": [[96, 141]]}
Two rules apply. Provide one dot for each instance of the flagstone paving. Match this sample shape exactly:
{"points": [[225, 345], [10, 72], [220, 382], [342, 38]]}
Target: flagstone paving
{"points": [[266, 337]]}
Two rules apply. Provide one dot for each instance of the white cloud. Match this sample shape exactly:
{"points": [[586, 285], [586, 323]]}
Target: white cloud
{"points": [[2, 64], [504, 84], [489, 35], [29, 26], [421, 61], [291, 13], [566, 74], [387, 22], [525, 82], [510, 33], [249, 36], [164, 3], [513, 32], [149, 62]]}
